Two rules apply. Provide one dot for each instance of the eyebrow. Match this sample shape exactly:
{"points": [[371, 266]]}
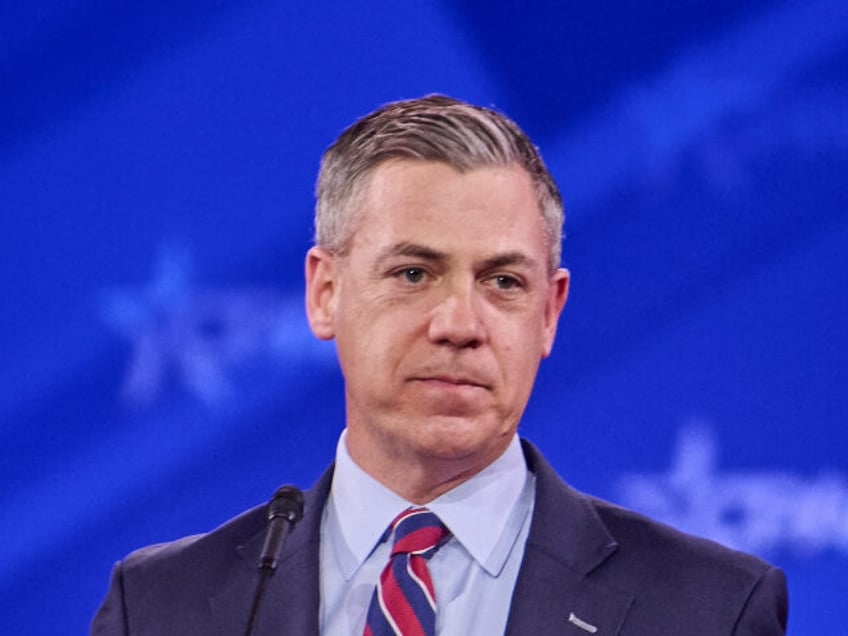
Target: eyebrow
{"points": [[423, 252], [413, 250], [508, 258]]}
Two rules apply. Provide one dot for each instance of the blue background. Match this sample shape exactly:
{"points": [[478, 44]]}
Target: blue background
{"points": [[157, 161]]}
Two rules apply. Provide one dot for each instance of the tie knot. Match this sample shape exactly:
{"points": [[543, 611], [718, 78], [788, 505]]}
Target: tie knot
{"points": [[418, 531]]}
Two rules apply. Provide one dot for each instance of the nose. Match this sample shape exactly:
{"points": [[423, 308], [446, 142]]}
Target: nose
{"points": [[456, 320]]}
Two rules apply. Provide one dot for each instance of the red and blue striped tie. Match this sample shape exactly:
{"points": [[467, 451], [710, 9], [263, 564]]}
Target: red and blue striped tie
{"points": [[404, 602]]}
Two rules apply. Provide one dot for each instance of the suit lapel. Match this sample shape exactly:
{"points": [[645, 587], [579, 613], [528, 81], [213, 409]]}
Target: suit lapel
{"points": [[291, 606], [555, 593]]}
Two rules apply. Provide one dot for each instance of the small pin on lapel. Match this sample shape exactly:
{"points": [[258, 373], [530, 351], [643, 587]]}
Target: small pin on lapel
{"points": [[581, 623]]}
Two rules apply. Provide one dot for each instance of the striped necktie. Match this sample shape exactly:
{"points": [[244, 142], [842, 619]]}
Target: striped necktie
{"points": [[404, 602]]}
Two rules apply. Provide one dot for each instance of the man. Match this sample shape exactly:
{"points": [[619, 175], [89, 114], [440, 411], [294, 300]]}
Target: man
{"points": [[436, 271]]}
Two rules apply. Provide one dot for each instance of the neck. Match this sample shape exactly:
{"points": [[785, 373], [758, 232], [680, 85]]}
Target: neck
{"points": [[423, 486], [418, 479]]}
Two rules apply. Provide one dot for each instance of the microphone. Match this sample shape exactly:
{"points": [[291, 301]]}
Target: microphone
{"points": [[284, 510]]}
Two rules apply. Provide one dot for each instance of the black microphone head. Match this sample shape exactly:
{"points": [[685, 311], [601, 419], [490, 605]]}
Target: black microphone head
{"points": [[287, 502]]}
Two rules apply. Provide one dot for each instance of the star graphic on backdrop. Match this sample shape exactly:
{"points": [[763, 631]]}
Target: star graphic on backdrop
{"points": [[194, 336], [755, 511]]}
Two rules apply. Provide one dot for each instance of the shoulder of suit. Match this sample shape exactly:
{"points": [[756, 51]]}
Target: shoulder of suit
{"points": [[183, 552], [653, 541], [645, 547], [212, 549]]}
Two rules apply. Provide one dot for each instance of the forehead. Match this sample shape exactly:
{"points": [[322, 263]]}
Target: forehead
{"points": [[435, 203]]}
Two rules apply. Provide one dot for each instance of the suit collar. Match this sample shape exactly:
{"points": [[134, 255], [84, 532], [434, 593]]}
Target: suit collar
{"points": [[304, 533], [568, 541], [291, 604], [565, 523]]}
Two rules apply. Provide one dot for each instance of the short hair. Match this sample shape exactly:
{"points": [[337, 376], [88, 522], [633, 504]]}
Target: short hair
{"points": [[434, 128]]}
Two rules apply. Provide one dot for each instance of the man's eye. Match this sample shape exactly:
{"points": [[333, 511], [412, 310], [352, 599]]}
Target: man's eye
{"points": [[412, 274], [502, 281]]}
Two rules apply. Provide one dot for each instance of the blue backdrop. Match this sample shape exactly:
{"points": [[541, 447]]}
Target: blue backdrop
{"points": [[156, 169]]}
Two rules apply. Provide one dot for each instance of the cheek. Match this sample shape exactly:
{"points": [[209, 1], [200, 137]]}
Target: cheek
{"points": [[522, 338], [520, 351], [374, 340]]}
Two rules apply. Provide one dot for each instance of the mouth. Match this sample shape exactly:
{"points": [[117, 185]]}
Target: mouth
{"points": [[449, 381]]}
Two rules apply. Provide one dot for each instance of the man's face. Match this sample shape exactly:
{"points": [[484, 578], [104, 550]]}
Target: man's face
{"points": [[442, 310]]}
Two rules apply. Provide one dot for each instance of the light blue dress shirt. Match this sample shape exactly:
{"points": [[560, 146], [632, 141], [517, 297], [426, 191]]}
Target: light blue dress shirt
{"points": [[474, 573]]}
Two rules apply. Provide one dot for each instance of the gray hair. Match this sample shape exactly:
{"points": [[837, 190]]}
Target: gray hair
{"points": [[434, 128]]}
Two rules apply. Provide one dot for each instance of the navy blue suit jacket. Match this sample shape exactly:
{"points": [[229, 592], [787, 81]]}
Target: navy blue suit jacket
{"points": [[600, 565]]}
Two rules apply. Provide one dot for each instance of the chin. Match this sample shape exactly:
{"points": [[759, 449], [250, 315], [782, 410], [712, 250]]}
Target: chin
{"points": [[458, 438]]}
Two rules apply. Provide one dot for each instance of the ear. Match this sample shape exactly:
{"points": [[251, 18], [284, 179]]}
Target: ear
{"points": [[321, 288], [557, 295]]}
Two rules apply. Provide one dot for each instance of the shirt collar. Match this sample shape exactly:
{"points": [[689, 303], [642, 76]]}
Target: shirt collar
{"points": [[484, 513]]}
